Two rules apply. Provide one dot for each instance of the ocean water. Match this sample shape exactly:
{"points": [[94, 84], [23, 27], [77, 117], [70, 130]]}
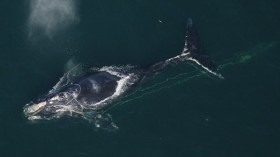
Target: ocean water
{"points": [[181, 112]]}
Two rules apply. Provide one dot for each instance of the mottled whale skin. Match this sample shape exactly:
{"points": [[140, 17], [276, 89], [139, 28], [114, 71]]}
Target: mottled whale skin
{"points": [[95, 90]]}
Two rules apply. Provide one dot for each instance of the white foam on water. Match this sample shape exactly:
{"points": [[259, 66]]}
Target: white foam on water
{"points": [[123, 83], [115, 70], [121, 87], [32, 118]]}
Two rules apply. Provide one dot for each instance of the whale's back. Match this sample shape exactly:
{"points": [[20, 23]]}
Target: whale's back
{"points": [[97, 87]]}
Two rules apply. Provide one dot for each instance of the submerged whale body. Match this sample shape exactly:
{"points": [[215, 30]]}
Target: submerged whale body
{"points": [[95, 90]]}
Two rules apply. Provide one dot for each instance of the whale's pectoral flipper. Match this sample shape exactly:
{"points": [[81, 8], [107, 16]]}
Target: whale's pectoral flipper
{"points": [[101, 121], [194, 52]]}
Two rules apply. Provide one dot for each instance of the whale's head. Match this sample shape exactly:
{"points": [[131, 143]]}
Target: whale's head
{"points": [[53, 105]]}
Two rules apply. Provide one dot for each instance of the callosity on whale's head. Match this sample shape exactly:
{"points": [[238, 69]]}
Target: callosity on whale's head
{"points": [[54, 105], [65, 103]]}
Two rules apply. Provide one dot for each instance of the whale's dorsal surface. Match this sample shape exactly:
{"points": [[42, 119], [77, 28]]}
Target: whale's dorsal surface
{"points": [[87, 94], [96, 87]]}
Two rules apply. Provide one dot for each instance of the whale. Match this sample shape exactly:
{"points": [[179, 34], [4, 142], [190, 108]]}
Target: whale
{"points": [[87, 94]]}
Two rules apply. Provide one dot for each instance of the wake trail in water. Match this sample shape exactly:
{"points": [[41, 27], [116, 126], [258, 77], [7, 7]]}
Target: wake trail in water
{"points": [[47, 17]]}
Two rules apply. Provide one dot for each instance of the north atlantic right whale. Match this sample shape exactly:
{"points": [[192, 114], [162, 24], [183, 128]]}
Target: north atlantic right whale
{"points": [[95, 90]]}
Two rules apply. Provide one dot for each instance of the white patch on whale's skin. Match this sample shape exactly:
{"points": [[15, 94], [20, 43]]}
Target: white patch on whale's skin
{"points": [[95, 86]]}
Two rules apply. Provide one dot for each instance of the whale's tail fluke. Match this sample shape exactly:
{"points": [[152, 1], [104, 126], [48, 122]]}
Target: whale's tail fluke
{"points": [[192, 52]]}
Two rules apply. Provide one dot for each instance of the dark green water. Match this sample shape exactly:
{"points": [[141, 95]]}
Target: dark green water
{"points": [[187, 114]]}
